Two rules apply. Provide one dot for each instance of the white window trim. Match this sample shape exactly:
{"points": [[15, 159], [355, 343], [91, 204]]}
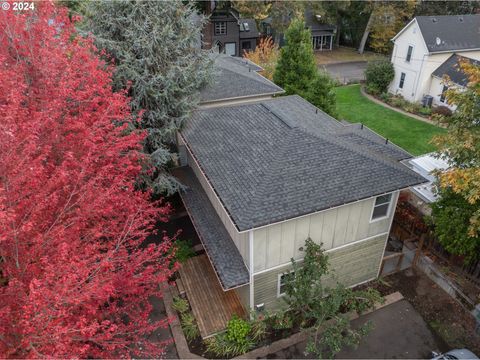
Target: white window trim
{"points": [[388, 210], [279, 277], [411, 56]]}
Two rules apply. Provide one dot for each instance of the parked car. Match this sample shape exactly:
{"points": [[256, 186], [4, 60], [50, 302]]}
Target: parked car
{"points": [[455, 354]]}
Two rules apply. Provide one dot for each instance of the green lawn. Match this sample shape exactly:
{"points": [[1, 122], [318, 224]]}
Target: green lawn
{"points": [[411, 134]]}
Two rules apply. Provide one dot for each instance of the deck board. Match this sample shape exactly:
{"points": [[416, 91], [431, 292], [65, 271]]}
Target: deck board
{"points": [[211, 306]]}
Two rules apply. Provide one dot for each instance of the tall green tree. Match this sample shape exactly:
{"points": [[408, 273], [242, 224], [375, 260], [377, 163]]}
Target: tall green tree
{"points": [[296, 67], [156, 48], [321, 93]]}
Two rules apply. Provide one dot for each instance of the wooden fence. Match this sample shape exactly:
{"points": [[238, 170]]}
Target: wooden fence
{"points": [[405, 229]]}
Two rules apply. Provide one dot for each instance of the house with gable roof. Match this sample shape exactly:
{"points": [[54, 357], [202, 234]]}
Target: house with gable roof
{"points": [[429, 48], [262, 174]]}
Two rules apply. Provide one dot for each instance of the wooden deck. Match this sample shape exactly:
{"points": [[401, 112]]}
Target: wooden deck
{"points": [[211, 306]]}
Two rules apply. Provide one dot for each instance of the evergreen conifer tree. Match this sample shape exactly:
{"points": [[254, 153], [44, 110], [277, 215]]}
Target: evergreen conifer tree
{"points": [[296, 67], [156, 49]]}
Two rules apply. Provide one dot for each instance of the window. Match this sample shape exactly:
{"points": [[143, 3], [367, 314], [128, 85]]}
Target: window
{"points": [[443, 94], [246, 45], [409, 53], [381, 207], [281, 283], [221, 28], [402, 80]]}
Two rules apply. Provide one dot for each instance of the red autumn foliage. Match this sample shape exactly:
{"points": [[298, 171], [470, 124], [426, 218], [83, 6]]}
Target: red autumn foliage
{"points": [[75, 280]]}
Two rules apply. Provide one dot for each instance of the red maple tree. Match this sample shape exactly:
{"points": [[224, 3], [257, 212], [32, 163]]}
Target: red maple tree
{"points": [[75, 280]]}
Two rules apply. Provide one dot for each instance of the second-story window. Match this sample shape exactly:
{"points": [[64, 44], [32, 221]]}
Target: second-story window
{"points": [[409, 53], [402, 80], [381, 207], [221, 28]]}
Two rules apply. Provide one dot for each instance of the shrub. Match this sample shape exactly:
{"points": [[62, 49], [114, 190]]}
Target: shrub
{"points": [[258, 326], [237, 330], [221, 347], [398, 101], [281, 321], [189, 326], [412, 107], [183, 250], [385, 97], [425, 110], [442, 110], [378, 76], [180, 305], [266, 55]]}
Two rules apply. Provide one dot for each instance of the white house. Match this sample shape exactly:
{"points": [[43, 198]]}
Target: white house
{"points": [[430, 47]]}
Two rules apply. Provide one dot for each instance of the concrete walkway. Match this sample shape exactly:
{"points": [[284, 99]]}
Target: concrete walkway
{"points": [[399, 332]]}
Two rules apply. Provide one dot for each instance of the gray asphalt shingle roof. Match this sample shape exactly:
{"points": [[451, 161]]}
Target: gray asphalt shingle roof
{"points": [[456, 32], [220, 248], [235, 77], [451, 68], [282, 158], [252, 31]]}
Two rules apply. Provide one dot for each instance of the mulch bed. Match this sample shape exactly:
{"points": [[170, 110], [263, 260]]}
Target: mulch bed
{"points": [[445, 316]]}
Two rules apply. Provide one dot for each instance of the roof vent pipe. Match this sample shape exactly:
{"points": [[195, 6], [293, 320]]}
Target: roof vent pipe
{"points": [[386, 141], [361, 126], [316, 111]]}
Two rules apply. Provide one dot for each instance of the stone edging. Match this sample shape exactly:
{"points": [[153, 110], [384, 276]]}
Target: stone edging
{"points": [[184, 352], [180, 342], [400, 111]]}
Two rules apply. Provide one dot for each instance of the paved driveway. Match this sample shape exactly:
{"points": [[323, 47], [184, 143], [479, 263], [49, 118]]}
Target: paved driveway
{"points": [[346, 72], [399, 332]]}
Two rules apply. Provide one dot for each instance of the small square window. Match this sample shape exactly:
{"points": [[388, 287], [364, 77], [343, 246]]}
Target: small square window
{"points": [[220, 28], [402, 80], [409, 53], [381, 207]]}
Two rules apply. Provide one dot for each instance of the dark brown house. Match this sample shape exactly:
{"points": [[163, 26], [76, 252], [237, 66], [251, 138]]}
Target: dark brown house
{"points": [[229, 33]]}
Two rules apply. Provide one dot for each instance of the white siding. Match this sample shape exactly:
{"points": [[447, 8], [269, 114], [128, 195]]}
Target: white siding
{"points": [[413, 69], [276, 244]]}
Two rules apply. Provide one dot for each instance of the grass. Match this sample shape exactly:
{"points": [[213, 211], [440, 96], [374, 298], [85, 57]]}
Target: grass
{"points": [[411, 134], [344, 54]]}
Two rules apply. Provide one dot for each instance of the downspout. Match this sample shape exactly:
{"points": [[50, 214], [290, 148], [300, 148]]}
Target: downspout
{"points": [[250, 263], [419, 75]]}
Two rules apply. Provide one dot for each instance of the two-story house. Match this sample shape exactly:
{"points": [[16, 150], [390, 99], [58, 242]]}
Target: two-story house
{"points": [[264, 174], [428, 48], [229, 33]]}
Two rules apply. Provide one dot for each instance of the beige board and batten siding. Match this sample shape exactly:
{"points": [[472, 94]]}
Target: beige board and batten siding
{"points": [[352, 264], [276, 244], [240, 240]]}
